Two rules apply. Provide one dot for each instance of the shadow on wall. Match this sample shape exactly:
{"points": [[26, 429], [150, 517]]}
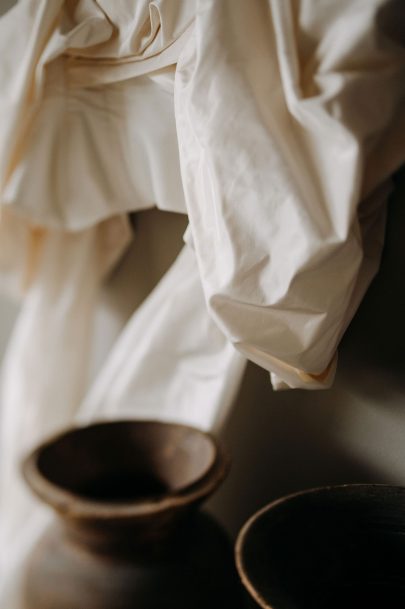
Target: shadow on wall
{"points": [[5, 5], [282, 443], [288, 441], [373, 354]]}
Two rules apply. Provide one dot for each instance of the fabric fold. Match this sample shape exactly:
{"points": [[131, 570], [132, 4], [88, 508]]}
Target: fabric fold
{"points": [[273, 184], [76, 152], [170, 362]]}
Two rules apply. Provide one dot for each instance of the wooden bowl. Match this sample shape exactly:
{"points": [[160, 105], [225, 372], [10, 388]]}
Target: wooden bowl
{"points": [[142, 474], [328, 548], [126, 533]]}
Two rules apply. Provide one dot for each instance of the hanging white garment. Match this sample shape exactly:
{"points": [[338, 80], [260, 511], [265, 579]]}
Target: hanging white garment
{"points": [[280, 140], [289, 114], [171, 361]]}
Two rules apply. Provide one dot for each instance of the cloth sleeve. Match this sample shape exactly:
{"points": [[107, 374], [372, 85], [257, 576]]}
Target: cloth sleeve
{"points": [[289, 117]]}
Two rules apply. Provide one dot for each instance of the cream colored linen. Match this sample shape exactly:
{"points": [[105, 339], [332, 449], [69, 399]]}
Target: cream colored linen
{"points": [[280, 140], [182, 367], [282, 108]]}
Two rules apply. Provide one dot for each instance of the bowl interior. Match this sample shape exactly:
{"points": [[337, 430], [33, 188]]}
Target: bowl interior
{"points": [[331, 548], [126, 460]]}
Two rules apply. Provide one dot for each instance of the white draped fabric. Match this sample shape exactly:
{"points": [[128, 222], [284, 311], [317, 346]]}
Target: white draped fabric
{"points": [[275, 126]]}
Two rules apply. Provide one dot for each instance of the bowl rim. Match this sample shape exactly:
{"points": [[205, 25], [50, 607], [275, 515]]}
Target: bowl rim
{"points": [[75, 506], [245, 530]]}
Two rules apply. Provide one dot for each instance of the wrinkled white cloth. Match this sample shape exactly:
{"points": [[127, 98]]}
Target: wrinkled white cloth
{"points": [[282, 108], [184, 370], [280, 140], [275, 126]]}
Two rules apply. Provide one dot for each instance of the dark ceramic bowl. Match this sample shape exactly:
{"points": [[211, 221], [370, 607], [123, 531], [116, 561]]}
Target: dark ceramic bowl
{"points": [[143, 474], [126, 535], [335, 547]]}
